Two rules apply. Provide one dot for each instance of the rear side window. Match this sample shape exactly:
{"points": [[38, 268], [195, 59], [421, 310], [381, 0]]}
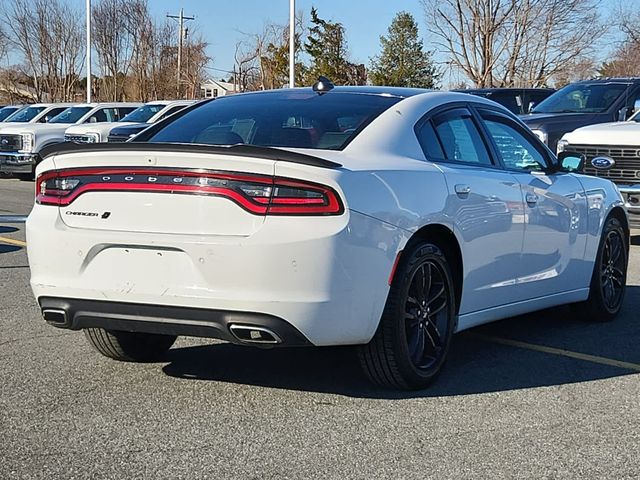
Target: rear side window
{"points": [[459, 137], [52, 113], [300, 119], [103, 115], [430, 142]]}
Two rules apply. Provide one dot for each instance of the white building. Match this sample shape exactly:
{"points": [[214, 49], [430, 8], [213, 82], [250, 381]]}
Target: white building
{"points": [[216, 88]]}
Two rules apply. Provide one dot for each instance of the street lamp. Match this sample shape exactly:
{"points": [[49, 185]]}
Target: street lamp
{"points": [[88, 51], [292, 42]]}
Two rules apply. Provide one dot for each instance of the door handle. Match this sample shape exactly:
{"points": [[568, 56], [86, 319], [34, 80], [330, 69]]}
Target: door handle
{"points": [[531, 199], [462, 189]]}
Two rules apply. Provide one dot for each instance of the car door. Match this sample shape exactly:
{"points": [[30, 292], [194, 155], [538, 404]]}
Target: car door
{"points": [[555, 211], [484, 205]]}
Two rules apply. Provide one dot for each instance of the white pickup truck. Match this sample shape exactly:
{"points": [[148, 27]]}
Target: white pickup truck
{"points": [[36, 113], [612, 151], [20, 144], [148, 113]]}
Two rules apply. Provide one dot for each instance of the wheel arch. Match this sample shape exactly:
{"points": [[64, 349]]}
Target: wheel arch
{"points": [[619, 213], [444, 237]]}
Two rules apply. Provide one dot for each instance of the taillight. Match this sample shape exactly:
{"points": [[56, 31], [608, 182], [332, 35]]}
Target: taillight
{"points": [[258, 194]]}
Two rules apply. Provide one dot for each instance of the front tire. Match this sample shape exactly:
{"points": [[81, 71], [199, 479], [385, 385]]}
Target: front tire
{"points": [[129, 346], [411, 343], [609, 279]]}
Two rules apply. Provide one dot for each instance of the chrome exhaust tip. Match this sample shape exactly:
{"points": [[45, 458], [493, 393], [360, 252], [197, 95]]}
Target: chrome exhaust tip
{"points": [[55, 316], [252, 334]]}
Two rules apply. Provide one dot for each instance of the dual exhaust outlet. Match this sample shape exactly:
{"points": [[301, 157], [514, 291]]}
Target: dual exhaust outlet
{"points": [[244, 333]]}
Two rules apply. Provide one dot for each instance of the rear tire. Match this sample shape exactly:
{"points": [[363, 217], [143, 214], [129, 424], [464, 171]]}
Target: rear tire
{"points": [[608, 282], [410, 347], [25, 177], [129, 346]]}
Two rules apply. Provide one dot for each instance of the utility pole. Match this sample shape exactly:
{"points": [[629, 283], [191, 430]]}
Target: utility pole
{"points": [[181, 19], [88, 51], [292, 43]]}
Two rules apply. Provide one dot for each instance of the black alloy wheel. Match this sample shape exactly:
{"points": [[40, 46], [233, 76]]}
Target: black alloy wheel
{"points": [[613, 270], [427, 315], [410, 346]]}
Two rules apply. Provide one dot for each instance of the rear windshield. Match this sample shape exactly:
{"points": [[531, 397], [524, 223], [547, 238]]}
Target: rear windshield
{"points": [[25, 115], [6, 112], [71, 115], [277, 119], [143, 114], [582, 98]]}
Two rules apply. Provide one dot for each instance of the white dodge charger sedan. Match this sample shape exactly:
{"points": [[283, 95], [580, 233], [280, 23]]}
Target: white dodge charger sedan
{"points": [[384, 218]]}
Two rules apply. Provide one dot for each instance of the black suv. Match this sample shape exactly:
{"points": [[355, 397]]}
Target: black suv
{"points": [[581, 104], [518, 100]]}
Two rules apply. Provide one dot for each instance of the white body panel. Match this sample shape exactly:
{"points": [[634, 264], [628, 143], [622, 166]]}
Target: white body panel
{"points": [[326, 276], [614, 133]]}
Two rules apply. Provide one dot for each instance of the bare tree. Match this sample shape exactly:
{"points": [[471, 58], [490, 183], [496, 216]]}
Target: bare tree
{"points": [[514, 42], [113, 41], [48, 34], [246, 67], [196, 59], [625, 59], [4, 41]]}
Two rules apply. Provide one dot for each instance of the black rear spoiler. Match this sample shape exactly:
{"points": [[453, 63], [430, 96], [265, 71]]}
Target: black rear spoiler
{"points": [[241, 150]]}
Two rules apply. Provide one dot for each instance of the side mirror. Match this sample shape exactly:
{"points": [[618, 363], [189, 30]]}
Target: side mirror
{"points": [[531, 105], [93, 120], [571, 161], [624, 113], [636, 105]]}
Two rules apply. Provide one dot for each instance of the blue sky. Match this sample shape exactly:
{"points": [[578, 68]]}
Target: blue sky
{"points": [[222, 21]]}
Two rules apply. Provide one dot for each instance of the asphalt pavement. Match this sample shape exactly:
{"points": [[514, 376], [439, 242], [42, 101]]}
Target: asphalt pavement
{"points": [[538, 396]]}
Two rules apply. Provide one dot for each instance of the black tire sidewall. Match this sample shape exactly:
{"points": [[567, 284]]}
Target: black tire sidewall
{"points": [[419, 254], [596, 299]]}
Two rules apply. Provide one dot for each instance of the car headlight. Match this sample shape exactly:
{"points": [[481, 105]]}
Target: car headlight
{"points": [[562, 145], [542, 135], [93, 137], [27, 143]]}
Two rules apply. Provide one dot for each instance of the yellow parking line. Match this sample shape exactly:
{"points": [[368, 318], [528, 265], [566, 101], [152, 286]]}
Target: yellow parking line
{"points": [[558, 351], [11, 241]]}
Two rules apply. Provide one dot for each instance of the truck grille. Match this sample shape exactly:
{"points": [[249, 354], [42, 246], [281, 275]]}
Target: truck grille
{"points": [[76, 138], [626, 169], [117, 138], [10, 143]]}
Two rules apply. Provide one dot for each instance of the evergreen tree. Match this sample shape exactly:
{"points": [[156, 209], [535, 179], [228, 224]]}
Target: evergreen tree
{"points": [[403, 61], [327, 47]]}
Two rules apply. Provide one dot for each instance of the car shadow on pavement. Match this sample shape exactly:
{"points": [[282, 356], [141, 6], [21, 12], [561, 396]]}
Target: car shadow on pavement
{"points": [[5, 229], [476, 364], [4, 248]]}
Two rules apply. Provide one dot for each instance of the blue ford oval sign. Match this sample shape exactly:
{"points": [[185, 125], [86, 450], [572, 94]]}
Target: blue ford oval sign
{"points": [[602, 163]]}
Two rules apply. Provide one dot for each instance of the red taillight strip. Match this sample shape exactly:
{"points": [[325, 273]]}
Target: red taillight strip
{"points": [[328, 204], [127, 187]]}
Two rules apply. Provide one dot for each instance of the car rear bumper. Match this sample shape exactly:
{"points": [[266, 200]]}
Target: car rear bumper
{"points": [[75, 314], [326, 277], [17, 162]]}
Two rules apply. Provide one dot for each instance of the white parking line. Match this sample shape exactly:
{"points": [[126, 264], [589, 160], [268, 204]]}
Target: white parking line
{"points": [[557, 351]]}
